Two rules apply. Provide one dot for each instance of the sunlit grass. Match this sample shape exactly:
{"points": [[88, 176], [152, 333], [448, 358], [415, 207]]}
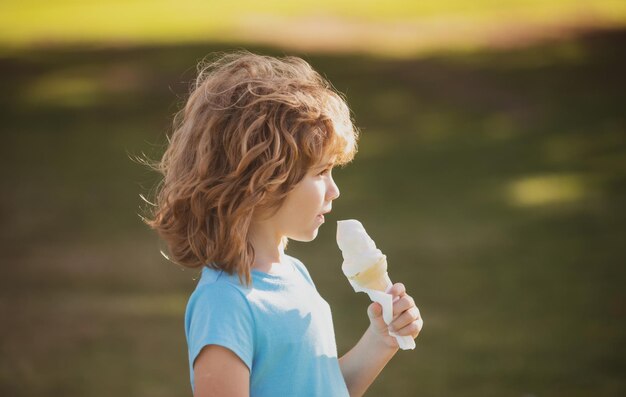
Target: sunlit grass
{"points": [[547, 189], [387, 26], [81, 87], [69, 91]]}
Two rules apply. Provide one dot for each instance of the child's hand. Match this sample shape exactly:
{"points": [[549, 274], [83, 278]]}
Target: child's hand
{"points": [[406, 317]]}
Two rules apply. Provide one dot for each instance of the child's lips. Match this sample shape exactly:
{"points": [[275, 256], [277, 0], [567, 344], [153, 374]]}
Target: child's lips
{"points": [[321, 216]]}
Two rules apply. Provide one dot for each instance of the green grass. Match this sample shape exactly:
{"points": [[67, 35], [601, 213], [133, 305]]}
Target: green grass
{"points": [[25, 23], [494, 182]]}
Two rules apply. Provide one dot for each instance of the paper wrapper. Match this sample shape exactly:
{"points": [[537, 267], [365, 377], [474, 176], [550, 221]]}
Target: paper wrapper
{"points": [[386, 302]]}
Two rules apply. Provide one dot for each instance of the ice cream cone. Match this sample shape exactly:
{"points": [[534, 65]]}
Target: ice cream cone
{"points": [[365, 266], [374, 277]]}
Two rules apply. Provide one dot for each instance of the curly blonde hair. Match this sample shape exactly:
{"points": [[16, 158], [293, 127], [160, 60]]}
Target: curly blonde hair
{"points": [[250, 130]]}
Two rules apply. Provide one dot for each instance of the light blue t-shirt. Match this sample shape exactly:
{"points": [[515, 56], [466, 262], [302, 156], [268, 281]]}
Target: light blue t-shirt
{"points": [[280, 327]]}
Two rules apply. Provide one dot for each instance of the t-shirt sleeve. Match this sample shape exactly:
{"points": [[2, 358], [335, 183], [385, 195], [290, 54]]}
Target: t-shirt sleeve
{"points": [[219, 314]]}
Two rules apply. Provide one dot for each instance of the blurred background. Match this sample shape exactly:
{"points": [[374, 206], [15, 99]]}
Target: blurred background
{"points": [[491, 171]]}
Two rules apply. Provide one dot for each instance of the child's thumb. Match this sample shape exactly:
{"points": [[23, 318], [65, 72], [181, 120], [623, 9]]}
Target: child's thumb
{"points": [[374, 310]]}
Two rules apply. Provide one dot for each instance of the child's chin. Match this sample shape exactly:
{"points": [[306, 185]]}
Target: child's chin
{"points": [[305, 238]]}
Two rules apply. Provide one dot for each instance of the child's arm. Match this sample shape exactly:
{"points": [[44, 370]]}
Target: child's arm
{"points": [[364, 362], [218, 372]]}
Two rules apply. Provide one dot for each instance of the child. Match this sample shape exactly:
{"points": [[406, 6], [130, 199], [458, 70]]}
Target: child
{"points": [[248, 166]]}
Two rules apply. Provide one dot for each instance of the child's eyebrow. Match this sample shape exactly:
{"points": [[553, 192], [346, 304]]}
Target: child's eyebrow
{"points": [[329, 164]]}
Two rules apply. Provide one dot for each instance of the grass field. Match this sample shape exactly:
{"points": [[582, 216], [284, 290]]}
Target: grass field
{"points": [[397, 28], [493, 180]]}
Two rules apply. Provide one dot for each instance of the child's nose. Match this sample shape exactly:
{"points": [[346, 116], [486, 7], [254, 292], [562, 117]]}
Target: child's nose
{"points": [[333, 191]]}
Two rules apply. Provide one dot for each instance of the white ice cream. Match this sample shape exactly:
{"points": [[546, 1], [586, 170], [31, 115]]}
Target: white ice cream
{"points": [[359, 253], [358, 249]]}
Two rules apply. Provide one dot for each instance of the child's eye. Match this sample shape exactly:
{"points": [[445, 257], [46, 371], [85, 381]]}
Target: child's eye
{"points": [[326, 171]]}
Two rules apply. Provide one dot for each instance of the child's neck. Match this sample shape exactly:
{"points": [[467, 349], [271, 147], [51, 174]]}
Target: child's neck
{"points": [[268, 265], [268, 247]]}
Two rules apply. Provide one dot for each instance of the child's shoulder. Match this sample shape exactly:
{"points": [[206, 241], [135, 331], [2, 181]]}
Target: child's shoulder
{"points": [[300, 267], [214, 287], [297, 262], [215, 282]]}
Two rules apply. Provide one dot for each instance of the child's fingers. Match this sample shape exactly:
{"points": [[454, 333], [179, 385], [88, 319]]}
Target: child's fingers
{"points": [[402, 304], [397, 290], [409, 323], [374, 311]]}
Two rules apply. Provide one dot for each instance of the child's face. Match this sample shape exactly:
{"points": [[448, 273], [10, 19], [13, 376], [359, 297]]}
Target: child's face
{"points": [[301, 214]]}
